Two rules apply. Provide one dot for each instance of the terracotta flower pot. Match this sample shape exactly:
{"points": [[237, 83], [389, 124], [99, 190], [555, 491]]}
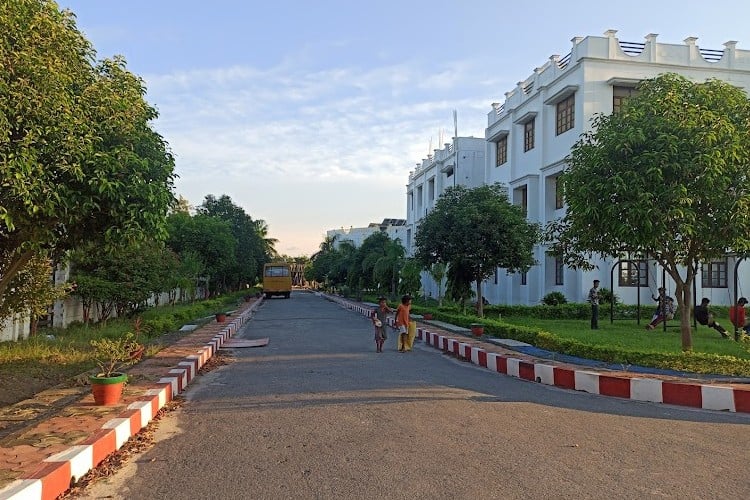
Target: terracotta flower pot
{"points": [[107, 391], [477, 330], [221, 317], [427, 315]]}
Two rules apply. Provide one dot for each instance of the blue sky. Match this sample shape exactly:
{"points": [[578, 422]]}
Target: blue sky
{"points": [[310, 114]]}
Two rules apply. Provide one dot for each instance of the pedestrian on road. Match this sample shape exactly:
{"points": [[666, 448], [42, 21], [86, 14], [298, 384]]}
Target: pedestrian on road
{"points": [[706, 317], [594, 300], [379, 319], [402, 322]]}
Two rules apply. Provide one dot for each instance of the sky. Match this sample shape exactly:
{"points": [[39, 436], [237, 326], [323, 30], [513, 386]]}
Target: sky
{"points": [[311, 114]]}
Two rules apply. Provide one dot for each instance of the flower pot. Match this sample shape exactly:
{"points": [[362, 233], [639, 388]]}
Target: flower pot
{"points": [[107, 390], [427, 316], [477, 329], [221, 317]]}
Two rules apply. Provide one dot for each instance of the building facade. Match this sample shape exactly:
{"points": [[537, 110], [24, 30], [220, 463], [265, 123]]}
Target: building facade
{"points": [[394, 228], [530, 133]]}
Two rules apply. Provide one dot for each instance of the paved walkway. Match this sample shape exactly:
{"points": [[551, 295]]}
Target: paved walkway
{"points": [[56, 437]]}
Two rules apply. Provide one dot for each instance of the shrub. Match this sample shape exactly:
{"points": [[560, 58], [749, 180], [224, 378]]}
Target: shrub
{"points": [[607, 297], [554, 299]]}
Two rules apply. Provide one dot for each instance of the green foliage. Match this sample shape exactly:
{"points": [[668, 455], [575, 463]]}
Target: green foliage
{"points": [[112, 355], [410, 280], [657, 177], [32, 290], [80, 159], [606, 296], [554, 299], [475, 231]]}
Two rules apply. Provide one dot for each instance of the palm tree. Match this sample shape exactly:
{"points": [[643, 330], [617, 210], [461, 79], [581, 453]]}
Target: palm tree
{"points": [[267, 244]]}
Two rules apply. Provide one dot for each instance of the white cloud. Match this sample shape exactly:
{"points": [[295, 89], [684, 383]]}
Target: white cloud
{"points": [[288, 145]]}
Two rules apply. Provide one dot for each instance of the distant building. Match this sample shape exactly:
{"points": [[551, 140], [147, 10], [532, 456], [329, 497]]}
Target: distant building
{"points": [[394, 228], [529, 135]]}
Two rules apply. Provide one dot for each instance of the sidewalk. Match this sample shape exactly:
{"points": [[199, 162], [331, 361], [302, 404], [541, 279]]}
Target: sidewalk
{"points": [[714, 394], [53, 439]]}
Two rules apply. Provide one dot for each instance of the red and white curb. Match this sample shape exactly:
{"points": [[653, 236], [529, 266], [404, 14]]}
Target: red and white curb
{"points": [[57, 472], [706, 396]]}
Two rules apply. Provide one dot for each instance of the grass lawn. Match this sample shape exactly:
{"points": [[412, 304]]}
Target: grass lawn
{"points": [[628, 335]]}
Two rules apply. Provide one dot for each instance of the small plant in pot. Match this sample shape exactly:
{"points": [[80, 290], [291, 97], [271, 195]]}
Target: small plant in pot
{"points": [[477, 329], [221, 316], [112, 356]]}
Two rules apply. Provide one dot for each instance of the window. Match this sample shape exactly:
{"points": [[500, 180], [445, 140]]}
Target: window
{"points": [[633, 273], [559, 199], [496, 275], [523, 278], [528, 135], [565, 115], [714, 274], [502, 151], [431, 190], [277, 271], [620, 95], [559, 270], [521, 198]]}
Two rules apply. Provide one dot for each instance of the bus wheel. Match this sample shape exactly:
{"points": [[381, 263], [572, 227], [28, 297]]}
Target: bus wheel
{"points": [[287, 295]]}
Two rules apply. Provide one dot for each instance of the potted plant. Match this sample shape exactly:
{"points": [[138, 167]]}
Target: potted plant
{"points": [[477, 329], [112, 356], [221, 317], [427, 316]]}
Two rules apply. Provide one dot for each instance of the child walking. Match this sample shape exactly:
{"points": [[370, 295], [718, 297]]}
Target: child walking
{"points": [[402, 322], [379, 317]]}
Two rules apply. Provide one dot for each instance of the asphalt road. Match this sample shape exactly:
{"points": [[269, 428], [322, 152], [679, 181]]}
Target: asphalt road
{"points": [[318, 414]]}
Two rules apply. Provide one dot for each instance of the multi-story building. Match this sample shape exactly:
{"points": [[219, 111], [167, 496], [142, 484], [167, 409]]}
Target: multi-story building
{"points": [[394, 228], [460, 163], [529, 135]]}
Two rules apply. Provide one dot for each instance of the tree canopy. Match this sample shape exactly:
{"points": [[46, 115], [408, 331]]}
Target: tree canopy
{"points": [[666, 178], [474, 232], [79, 160]]}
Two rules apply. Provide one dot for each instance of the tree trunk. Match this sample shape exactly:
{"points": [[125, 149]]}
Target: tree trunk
{"points": [[684, 302], [480, 302]]}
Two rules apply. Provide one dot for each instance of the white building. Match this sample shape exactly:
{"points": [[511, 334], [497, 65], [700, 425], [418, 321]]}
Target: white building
{"points": [[531, 132], [394, 228]]}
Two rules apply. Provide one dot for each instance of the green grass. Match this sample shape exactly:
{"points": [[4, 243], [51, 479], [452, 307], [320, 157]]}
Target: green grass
{"points": [[628, 335], [66, 353]]}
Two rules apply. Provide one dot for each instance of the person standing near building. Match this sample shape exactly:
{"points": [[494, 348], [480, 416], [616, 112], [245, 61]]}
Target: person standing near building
{"points": [[594, 300], [402, 322]]}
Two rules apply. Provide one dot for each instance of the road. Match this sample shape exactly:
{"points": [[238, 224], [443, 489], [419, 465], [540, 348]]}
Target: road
{"points": [[317, 414]]}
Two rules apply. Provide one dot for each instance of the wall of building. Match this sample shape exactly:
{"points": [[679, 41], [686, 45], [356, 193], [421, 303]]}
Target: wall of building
{"points": [[590, 71]]}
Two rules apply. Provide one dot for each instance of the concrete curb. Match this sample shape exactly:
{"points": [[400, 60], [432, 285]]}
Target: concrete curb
{"points": [[58, 471], [727, 397]]}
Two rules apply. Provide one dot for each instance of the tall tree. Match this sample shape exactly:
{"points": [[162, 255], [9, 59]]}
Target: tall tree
{"points": [[79, 160], [668, 177], [249, 248], [475, 231]]}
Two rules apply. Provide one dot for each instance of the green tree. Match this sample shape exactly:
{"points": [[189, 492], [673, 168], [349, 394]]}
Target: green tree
{"points": [[389, 266], [437, 271], [210, 238], [32, 291], [79, 160], [475, 231], [409, 277], [667, 177]]}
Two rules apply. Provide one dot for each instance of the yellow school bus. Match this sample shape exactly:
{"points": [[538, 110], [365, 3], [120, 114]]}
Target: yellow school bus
{"points": [[277, 279]]}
